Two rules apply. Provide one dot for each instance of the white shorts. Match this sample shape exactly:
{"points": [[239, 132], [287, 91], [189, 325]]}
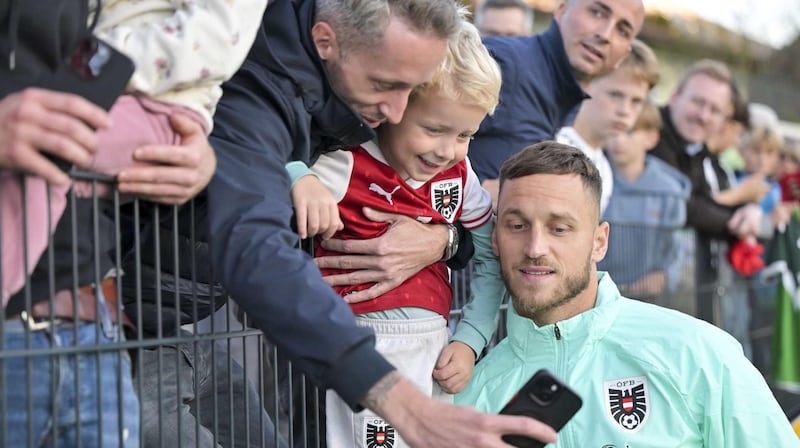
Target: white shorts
{"points": [[412, 346]]}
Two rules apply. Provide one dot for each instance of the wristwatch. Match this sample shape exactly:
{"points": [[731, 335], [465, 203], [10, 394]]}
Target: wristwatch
{"points": [[452, 242]]}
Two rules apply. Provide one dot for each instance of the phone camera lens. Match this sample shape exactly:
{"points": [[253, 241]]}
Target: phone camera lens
{"points": [[545, 390]]}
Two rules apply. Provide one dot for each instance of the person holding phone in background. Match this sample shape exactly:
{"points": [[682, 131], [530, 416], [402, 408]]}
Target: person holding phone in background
{"points": [[56, 80], [648, 376]]}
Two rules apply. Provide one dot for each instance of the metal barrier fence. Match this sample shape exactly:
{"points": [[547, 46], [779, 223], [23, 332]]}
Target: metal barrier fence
{"points": [[202, 375]]}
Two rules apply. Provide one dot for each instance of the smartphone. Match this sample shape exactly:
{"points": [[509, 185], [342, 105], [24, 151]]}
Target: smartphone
{"points": [[95, 71], [545, 398]]}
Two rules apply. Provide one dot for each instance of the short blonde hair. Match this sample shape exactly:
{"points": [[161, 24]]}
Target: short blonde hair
{"points": [[468, 74], [641, 63], [649, 119], [762, 138]]}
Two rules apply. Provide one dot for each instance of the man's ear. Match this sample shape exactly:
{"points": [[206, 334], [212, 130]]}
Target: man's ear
{"points": [[600, 242], [324, 37], [559, 11]]}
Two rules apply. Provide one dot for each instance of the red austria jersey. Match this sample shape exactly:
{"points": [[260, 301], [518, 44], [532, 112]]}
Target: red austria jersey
{"points": [[360, 177]]}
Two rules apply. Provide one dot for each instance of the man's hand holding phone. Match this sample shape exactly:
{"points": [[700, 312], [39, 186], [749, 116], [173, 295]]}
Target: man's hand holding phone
{"points": [[545, 398]]}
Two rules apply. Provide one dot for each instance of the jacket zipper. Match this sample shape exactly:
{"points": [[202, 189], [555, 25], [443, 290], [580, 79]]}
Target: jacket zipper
{"points": [[557, 331]]}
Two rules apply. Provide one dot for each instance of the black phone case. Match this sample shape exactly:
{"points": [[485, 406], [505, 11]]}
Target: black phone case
{"points": [[101, 78], [555, 413]]}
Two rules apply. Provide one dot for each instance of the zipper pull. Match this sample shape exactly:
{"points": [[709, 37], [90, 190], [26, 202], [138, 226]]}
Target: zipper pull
{"points": [[557, 332]]}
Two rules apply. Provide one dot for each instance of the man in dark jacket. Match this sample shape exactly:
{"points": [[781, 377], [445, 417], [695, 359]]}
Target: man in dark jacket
{"points": [[319, 73], [703, 99], [543, 76]]}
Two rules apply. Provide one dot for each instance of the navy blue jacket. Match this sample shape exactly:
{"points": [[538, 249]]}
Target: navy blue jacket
{"points": [[279, 107], [539, 92]]}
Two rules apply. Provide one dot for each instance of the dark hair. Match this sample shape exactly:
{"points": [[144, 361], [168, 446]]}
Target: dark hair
{"points": [[549, 157], [741, 110]]}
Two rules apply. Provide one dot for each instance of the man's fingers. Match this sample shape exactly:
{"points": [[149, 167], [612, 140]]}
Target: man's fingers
{"points": [[300, 215], [166, 175], [79, 107], [178, 156], [367, 263], [355, 277], [63, 137], [519, 425], [378, 216], [62, 117], [62, 104], [184, 125], [376, 290], [352, 247], [166, 194], [451, 386], [28, 138], [162, 199], [40, 166]]}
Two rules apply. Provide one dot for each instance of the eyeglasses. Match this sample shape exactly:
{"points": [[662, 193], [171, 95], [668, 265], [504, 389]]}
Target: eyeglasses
{"points": [[702, 103]]}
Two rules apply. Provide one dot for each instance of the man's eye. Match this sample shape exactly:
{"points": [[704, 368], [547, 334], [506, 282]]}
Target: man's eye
{"points": [[466, 136]]}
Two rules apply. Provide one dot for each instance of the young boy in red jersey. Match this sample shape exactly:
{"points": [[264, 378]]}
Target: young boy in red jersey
{"points": [[418, 168]]}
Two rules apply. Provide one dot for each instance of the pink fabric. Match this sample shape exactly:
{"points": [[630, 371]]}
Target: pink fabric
{"points": [[136, 122], [36, 194]]}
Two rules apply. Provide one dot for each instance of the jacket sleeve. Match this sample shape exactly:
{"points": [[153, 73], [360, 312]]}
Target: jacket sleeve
{"points": [[479, 321], [254, 253], [742, 411], [298, 169], [708, 217], [209, 39]]}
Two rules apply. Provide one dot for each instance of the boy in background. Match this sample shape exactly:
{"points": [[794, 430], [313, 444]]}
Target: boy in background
{"points": [[416, 167], [761, 151], [616, 101], [647, 209]]}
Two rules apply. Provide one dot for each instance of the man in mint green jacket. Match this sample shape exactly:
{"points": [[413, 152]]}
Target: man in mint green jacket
{"points": [[648, 376]]}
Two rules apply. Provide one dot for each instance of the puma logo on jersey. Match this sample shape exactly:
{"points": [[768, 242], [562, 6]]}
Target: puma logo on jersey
{"points": [[378, 189]]}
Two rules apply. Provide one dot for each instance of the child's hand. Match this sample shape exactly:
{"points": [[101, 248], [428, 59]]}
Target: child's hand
{"points": [[316, 209], [754, 187], [454, 367]]}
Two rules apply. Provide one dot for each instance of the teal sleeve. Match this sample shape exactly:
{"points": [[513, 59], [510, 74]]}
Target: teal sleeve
{"points": [[742, 411], [298, 169], [479, 320]]}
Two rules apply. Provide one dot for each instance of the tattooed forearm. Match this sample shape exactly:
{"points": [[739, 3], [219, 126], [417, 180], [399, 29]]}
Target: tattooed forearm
{"points": [[376, 397]]}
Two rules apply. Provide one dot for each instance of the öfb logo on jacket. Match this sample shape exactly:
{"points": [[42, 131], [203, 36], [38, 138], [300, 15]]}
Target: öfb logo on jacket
{"points": [[627, 402], [378, 433]]}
